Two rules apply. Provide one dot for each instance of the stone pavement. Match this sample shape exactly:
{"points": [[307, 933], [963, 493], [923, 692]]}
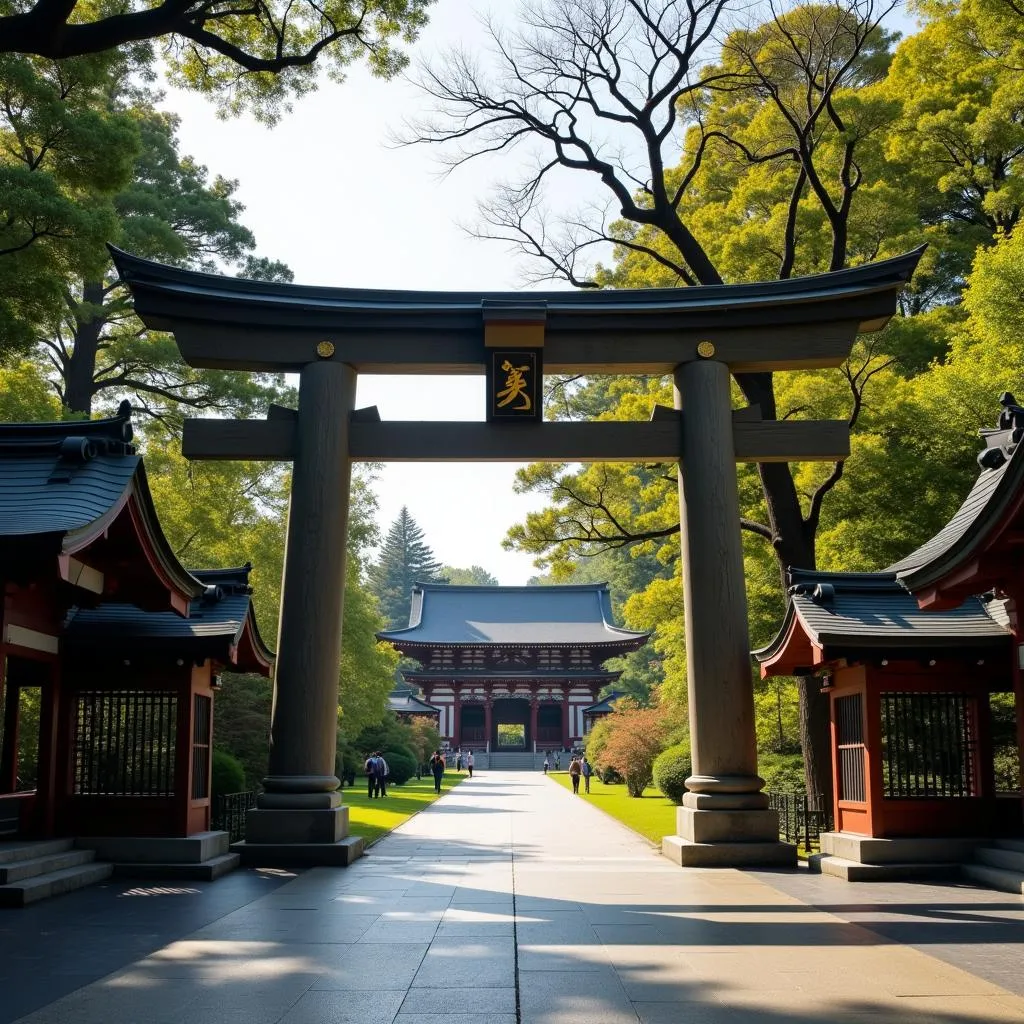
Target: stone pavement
{"points": [[510, 901]]}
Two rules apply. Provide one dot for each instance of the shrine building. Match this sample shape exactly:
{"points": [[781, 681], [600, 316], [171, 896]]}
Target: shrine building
{"points": [[512, 668], [912, 658], [111, 652]]}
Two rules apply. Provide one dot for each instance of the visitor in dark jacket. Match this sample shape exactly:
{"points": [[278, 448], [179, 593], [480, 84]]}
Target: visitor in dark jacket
{"points": [[437, 769]]}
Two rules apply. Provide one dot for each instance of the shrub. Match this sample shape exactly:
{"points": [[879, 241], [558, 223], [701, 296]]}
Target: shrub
{"points": [[672, 767], [637, 736], [402, 764], [227, 774], [610, 777], [782, 773]]}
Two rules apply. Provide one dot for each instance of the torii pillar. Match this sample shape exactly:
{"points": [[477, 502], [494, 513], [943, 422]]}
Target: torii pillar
{"points": [[725, 818]]}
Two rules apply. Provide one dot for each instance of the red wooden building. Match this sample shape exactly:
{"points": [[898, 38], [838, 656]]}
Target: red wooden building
{"points": [[110, 650], [911, 657], [530, 659]]}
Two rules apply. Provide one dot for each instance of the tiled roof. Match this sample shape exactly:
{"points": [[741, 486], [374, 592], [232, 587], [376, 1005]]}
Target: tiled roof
{"points": [[571, 615], [872, 611]]}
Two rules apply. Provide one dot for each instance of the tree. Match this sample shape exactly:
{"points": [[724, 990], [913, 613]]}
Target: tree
{"points": [[636, 736], [614, 89], [404, 559], [172, 212], [474, 576], [67, 145], [253, 56]]}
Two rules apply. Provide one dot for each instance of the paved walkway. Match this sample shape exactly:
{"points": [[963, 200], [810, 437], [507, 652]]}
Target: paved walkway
{"points": [[511, 901]]}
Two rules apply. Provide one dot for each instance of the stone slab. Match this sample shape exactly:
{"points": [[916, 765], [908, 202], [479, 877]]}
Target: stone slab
{"points": [[300, 855], [739, 826], [191, 849], [276, 827], [688, 854], [868, 850], [207, 870], [854, 871]]}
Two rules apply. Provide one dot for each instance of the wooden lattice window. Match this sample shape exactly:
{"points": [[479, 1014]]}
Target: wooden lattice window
{"points": [[202, 718], [124, 743], [849, 712], [928, 745]]}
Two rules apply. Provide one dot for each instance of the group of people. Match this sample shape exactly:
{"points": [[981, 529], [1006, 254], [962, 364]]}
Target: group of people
{"points": [[464, 762], [579, 768], [377, 773]]}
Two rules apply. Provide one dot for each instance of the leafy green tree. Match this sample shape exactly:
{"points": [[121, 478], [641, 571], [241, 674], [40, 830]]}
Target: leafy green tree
{"points": [[404, 559], [67, 145], [474, 576], [253, 57]]}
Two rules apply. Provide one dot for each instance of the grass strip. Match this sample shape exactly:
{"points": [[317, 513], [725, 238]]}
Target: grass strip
{"points": [[373, 819], [652, 815]]}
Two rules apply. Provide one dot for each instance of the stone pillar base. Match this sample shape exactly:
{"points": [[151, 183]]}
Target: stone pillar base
{"points": [[728, 855], [727, 838], [293, 825], [298, 836]]}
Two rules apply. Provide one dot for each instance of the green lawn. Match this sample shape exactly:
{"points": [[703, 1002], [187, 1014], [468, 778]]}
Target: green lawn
{"points": [[372, 819], [652, 815]]}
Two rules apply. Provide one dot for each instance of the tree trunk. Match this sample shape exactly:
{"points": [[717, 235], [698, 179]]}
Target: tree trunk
{"points": [[794, 547], [80, 372]]}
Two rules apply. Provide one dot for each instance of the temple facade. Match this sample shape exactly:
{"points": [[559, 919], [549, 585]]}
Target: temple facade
{"points": [[512, 668]]}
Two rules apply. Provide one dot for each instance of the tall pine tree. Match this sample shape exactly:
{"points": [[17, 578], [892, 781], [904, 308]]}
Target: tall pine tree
{"points": [[405, 559]]}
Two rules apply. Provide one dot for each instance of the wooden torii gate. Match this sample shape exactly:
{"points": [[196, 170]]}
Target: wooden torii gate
{"points": [[700, 335]]}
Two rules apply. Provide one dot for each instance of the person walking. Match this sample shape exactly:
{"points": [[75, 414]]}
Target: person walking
{"points": [[458, 761], [469, 763], [587, 772], [558, 761], [546, 765], [437, 769], [574, 774], [370, 767], [383, 771]]}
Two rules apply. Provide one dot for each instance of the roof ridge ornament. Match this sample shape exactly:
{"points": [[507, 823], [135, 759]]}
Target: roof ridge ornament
{"points": [[1001, 442]]}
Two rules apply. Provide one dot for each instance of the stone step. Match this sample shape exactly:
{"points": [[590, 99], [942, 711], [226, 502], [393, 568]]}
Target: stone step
{"points": [[1016, 845], [18, 894], [30, 849], [206, 870], [855, 871], [995, 878], [32, 867], [996, 857]]}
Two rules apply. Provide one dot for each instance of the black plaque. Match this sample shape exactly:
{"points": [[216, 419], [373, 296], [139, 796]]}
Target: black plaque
{"points": [[514, 385]]}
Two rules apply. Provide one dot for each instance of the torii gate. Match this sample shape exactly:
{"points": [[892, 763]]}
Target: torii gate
{"points": [[699, 335]]}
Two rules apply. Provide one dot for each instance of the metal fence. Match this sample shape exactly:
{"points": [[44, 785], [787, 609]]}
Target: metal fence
{"points": [[799, 822], [228, 813]]}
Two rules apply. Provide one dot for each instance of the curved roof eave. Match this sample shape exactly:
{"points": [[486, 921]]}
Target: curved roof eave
{"points": [[993, 494], [142, 274]]}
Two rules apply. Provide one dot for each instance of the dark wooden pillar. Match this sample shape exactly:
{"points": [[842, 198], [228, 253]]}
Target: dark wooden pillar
{"points": [[724, 817], [457, 719], [301, 804]]}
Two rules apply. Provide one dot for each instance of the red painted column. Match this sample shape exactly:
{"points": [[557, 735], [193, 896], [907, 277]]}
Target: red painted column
{"points": [[565, 719], [457, 719], [487, 721], [533, 720]]}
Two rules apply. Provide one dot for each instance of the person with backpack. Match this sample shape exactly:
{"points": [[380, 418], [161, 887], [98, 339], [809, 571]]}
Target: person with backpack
{"points": [[437, 769], [574, 774], [370, 767], [587, 772], [383, 771]]}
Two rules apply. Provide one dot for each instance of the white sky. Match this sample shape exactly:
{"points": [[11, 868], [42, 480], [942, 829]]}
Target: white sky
{"points": [[326, 192]]}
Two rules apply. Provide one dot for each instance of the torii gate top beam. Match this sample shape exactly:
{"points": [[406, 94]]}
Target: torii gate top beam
{"points": [[237, 324]]}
